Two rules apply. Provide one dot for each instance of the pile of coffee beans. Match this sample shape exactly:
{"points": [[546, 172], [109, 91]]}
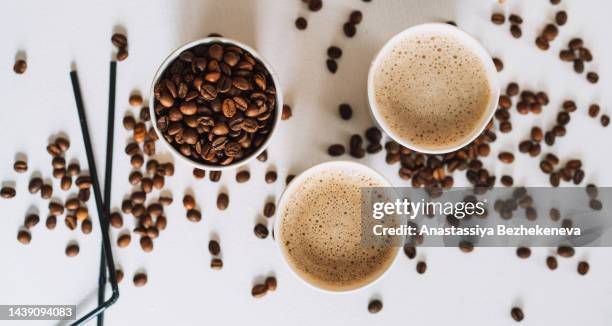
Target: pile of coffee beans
{"points": [[120, 41], [515, 23], [261, 289], [578, 54], [215, 104], [350, 27]]}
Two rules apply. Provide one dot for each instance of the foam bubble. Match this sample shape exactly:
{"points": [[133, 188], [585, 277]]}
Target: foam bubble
{"points": [[432, 91], [321, 231]]}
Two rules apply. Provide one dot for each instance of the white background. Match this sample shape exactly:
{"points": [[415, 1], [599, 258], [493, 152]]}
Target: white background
{"points": [[460, 289]]}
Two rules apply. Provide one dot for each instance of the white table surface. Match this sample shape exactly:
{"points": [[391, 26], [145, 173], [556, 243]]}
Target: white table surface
{"points": [[459, 289]]}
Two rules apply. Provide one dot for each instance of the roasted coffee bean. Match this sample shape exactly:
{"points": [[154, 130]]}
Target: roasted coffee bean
{"points": [[595, 204], [515, 31], [214, 248], [375, 306], [194, 215], [119, 40], [82, 214], [124, 240], [505, 127], [552, 263], [517, 314], [561, 18], [51, 222], [334, 52], [146, 184], [336, 150], [140, 279], [286, 113], [410, 250], [119, 275], [20, 166], [466, 246], [56, 208], [146, 244], [199, 173], [215, 176], [165, 200], [554, 214], [542, 43], [20, 66], [46, 191], [271, 176], [578, 66], [72, 250], [263, 156], [349, 29], [216, 263], [83, 182], [222, 201], [565, 251], [373, 134], [583, 268], [86, 226], [72, 204], [578, 177], [512, 89], [269, 209], [188, 202], [374, 148], [563, 118], [243, 176], [550, 32], [594, 110], [259, 290], [261, 231], [499, 65], [289, 178], [537, 135], [498, 18], [605, 120], [24, 237], [135, 100], [315, 5], [505, 102], [71, 222], [116, 220], [271, 283], [355, 17], [332, 65], [592, 191], [506, 157], [7, 192], [62, 143], [135, 178], [523, 252], [345, 110], [507, 181], [122, 54], [158, 181], [546, 167], [301, 23], [421, 267], [592, 77], [549, 138], [137, 161], [31, 220], [35, 185]]}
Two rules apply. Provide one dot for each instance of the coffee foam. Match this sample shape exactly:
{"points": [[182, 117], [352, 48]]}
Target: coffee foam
{"points": [[432, 91], [320, 232]]}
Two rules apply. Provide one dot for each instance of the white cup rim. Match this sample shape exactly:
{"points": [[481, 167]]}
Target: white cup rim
{"points": [[291, 189], [473, 45], [208, 40]]}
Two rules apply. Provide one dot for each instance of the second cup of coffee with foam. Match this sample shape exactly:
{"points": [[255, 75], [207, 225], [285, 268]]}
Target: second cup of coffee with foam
{"points": [[433, 88]]}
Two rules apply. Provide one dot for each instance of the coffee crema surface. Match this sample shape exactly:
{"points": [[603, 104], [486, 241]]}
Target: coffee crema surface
{"points": [[432, 90], [321, 227]]}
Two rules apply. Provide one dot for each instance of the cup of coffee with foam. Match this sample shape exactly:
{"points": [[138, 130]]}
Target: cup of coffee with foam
{"points": [[319, 225], [433, 88]]}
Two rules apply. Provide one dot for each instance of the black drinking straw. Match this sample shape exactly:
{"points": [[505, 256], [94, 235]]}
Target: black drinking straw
{"points": [[102, 213], [108, 177]]}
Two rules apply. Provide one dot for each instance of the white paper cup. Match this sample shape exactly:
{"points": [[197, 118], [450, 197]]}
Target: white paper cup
{"points": [[175, 54], [469, 42], [294, 185]]}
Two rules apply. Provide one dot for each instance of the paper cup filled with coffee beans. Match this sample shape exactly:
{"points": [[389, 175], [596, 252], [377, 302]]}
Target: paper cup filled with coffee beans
{"points": [[215, 103]]}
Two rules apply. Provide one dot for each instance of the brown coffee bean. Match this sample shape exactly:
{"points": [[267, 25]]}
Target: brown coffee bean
{"points": [[523, 252], [261, 231], [505, 102], [72, 250], [259, 290], [565, 251], [119, 275], [498, 18], [592, 191], [578, 65], [31, 220], [20, 166], [595, 205], [222, 201], [263, 156], [375, 306], [583, 268], [421, 267], [215, 176], [605, 120], [537, 135], [216, 263], [561, 18], [243, 176], [71, 222], [51, 222], [334, 52], [410, 251], [483, 150], [189, 202], [301, 23], [506, 157], [35, 185], [135, 100], [592, 77], [594, 110], [552, 263], [466, 246], [567, 55], [122, 54], [116, 220], [199, 173], [158, 181], [512, 89], [124, 240], [119, 40], [146, 244], [332, 65], [505, 127], [546, 167], [269, 210], [56, 208], [271, 176], [271, 283], [214, 248], [46, 191], [194, 215], [7, 192], [20, 66], [140, 279], [62, 143], [336, 150], [86, 226], [499, 65], [515, 31], [24, 237], [349, 29], [507, 181], [517, 314], [550, 32], [345, 110], [82, 214], [515, 19]]}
